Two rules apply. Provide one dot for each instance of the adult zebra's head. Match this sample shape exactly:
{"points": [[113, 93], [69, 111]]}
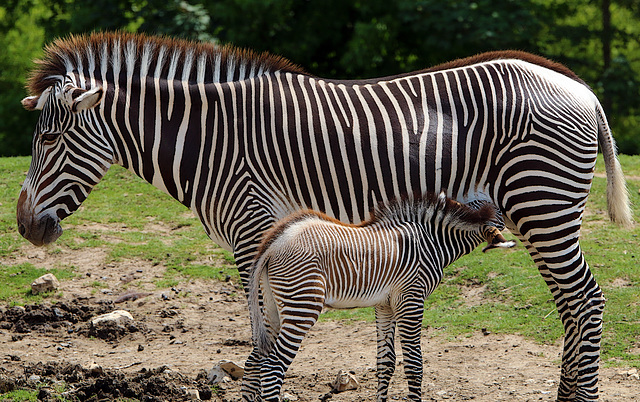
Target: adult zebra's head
{"points": [[69, 157]]}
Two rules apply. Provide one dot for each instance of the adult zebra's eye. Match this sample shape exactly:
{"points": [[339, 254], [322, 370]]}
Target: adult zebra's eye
{"points": [[49, 137]]}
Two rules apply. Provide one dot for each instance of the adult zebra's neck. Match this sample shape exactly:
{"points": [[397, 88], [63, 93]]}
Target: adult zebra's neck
{"points": [[158, 112], [154, 92]]}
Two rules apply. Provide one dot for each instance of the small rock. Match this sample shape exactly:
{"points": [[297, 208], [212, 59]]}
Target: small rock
{"points": [[344, 382], [217, 375], [112, 325], [193, 394], [95, 369], [120, 317], [289, 397], [140, 348], [45, 283], [234, 370], [34, 379]]}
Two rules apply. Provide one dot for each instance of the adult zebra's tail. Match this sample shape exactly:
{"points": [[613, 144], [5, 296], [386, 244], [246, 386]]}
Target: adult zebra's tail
{"points": [[617, 194], [262, 340]]}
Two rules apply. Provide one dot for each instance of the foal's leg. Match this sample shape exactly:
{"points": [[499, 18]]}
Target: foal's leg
{"points": [[409, 320], [386, 359], [298, 313]]}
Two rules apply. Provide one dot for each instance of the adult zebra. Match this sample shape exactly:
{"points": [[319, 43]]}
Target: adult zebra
{"points": [[245, 139]]}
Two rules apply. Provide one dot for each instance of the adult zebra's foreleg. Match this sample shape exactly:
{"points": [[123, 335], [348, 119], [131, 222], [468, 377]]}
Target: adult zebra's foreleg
{"points": [[580, 305]]}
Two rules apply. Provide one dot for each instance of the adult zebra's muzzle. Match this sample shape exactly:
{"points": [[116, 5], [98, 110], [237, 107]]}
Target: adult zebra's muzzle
{"points": [[38, 230]]}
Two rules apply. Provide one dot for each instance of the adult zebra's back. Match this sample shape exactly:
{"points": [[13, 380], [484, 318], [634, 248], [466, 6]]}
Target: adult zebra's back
{"points": [[245, 139]]}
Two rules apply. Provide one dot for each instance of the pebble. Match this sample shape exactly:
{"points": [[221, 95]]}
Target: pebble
{"points": [[193, 394], [95, 369], [344, 382], [34, 378]]}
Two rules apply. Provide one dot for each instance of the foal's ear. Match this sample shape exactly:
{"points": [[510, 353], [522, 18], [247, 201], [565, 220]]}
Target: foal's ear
{"points": [[495, 239], [36, 102]]}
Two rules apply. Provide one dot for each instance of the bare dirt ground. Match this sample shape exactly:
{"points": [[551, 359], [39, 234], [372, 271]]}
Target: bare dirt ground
{"points": [[178, 333]]}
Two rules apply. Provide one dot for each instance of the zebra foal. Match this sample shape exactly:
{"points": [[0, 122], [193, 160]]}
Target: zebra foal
{"points": [[393, 262]]}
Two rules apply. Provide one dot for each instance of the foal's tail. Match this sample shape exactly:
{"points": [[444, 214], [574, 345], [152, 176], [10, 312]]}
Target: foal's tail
{"points": [[617, 194], [260, 333]]}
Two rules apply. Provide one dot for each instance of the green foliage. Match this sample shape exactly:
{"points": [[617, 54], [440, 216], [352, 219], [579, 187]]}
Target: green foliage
{"points": [[21, 40]]}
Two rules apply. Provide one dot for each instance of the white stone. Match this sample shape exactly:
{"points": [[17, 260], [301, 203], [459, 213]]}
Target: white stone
{"points": [[119, 317], [45, 283]]}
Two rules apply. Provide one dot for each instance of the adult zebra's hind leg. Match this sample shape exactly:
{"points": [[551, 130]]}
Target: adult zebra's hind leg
{"points": [[580, 304], [251, 388], [386, 358]]}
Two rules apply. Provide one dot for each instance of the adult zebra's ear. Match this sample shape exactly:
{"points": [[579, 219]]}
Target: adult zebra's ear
{"points": [[495, 239], [36, 102], [82, 99]]}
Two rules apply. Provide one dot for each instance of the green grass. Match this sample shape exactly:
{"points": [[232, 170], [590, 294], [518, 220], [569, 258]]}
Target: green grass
{"points": [[118, 216], [514, 298], [16, 281], [20, 396]]}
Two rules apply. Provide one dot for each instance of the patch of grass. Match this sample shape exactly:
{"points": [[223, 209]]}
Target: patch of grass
{"points": [[98, 285], [16, 281], [20, 395]]}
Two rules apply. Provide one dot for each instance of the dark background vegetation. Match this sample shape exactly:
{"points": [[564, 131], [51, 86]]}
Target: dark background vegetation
{"points": [[600, 40]]}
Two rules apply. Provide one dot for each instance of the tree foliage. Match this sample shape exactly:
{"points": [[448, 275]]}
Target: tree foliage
{"points": [[350, 39]]}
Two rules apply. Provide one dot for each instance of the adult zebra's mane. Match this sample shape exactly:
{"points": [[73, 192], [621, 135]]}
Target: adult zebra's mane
{"points": [[138, 51]]}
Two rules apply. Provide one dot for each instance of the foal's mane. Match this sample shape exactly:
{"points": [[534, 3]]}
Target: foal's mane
{"points": [[404, 209], [66, 54]]}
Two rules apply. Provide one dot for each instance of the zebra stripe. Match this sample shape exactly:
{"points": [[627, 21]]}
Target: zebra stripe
{"points": [[508, 128]]}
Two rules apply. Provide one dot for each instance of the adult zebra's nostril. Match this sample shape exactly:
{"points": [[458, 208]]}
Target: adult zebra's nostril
{"points": [[22, 229]]}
